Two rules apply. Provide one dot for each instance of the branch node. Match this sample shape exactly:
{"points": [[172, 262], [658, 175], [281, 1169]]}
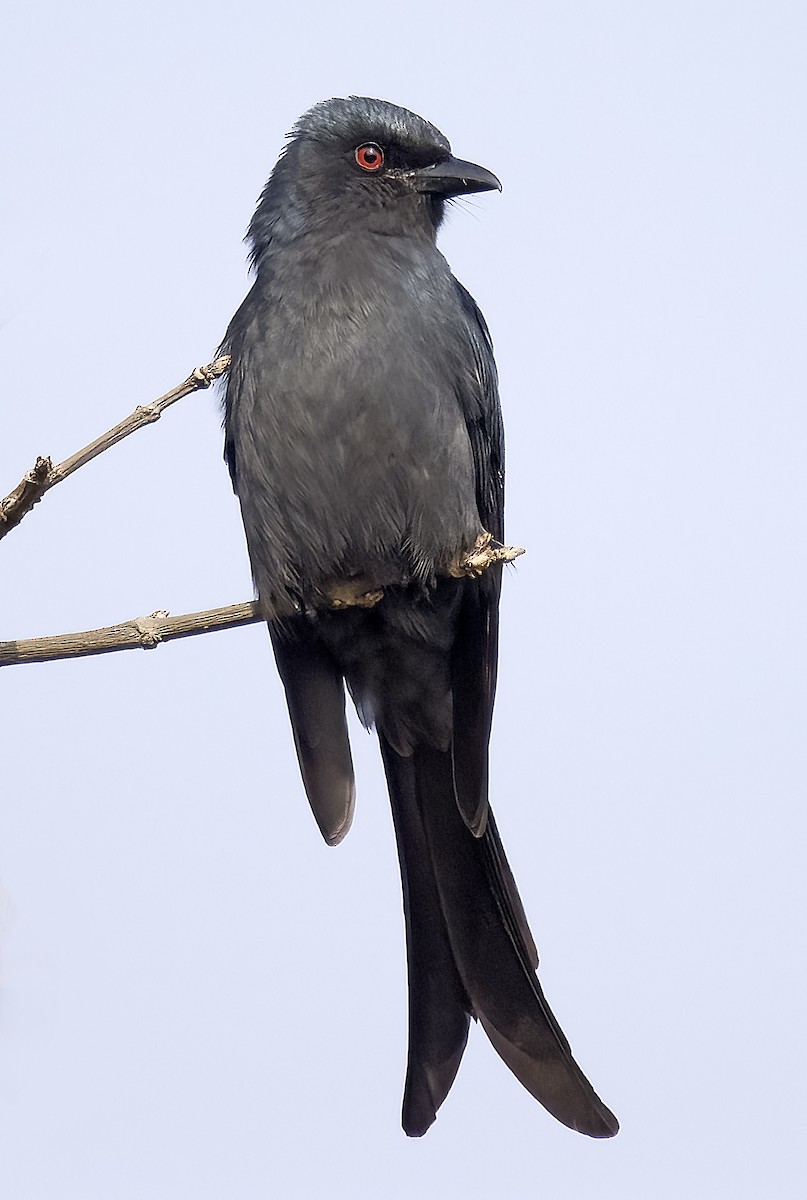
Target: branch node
{"points": [[150, 637], [149, 412], [41, 469], [28, 492]]}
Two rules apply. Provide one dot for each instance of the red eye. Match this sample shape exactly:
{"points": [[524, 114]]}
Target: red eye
{"points": [[370, 157]]}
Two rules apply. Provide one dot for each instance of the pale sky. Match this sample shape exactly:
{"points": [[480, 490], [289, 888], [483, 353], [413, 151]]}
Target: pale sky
{"points": [[198, 998]]}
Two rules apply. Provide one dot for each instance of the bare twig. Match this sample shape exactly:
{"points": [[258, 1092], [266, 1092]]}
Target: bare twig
{"points": [[44, 475], [141, 633]]}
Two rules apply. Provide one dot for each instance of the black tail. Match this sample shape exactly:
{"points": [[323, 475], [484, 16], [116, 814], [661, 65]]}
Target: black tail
{"points": [[439, 1008], [470, 952], [315, 693]]}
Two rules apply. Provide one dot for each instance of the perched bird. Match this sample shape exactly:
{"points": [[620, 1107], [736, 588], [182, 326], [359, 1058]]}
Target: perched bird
{"points": [[364, 438]]}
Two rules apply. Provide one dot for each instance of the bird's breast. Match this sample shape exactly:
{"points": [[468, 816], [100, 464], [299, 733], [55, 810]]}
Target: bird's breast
{"points": [[352, 450]]}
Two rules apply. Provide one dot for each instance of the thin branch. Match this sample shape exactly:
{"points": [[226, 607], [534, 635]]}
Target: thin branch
{"points": [[141, 633], [43, 476]]}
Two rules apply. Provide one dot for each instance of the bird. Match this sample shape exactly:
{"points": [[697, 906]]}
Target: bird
{"points": [[364, 438]]}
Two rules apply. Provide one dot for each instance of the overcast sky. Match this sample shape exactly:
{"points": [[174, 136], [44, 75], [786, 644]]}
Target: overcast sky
{"points": [[199, 998]]}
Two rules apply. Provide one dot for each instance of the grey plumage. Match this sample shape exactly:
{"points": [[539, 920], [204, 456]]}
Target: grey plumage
{"points": [[364, 438]]}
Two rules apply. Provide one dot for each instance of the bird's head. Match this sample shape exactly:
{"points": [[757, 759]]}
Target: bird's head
{"points": [[366, 164]]}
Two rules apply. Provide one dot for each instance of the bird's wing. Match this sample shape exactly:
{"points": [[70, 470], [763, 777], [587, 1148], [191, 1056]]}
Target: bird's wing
{"points": [[313, 682], [475, 655], [479, 398], [235, 379]]}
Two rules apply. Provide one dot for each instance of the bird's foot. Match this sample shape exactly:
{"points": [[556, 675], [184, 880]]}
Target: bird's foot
{"points": [[359, 593], [352, 593], [484, 553]]}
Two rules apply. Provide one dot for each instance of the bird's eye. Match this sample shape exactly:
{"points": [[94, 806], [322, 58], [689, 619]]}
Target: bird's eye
{"points": [[370, 157]]}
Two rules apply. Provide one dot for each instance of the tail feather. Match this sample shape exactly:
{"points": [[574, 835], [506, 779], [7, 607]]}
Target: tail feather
{"points": [[438, 1006], [511, 906], [469, 947], [486, 927], [473, 686], [315, 693]]}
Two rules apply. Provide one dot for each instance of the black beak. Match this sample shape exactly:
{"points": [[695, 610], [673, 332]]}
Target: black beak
{"points": [[455, 177]]}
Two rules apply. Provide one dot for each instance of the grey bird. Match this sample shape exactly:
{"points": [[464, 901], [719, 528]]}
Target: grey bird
{"points": [[364, 438]]}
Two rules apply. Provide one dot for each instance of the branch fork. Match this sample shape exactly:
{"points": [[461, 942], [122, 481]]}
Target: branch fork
{"points": [[43, 475]]}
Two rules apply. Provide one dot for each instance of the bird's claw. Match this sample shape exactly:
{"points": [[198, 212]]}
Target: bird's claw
{"points": [[353, 593], [484, 553]]}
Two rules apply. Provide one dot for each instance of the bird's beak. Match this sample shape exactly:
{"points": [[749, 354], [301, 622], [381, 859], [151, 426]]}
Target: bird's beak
{"points": [[455, 177]]}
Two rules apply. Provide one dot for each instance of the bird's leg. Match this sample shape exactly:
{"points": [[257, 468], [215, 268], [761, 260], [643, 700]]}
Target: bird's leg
{"points": [[358, 593], [484, 553]]}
